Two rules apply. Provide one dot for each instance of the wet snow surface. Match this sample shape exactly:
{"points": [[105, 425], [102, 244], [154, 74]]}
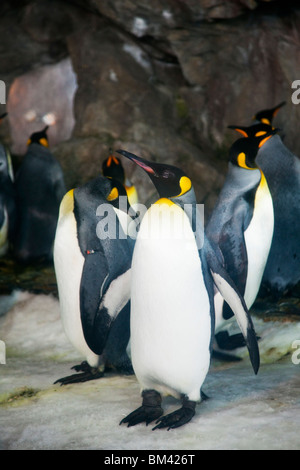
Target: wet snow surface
{"points": [[244, 411]]}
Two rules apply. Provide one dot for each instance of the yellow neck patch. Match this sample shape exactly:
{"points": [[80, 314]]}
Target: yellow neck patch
{"points": [[44, 142], [114, 194], [241, 159], [164, 200], [112, 159], [265, 121], [185, 185], [260, 133]]}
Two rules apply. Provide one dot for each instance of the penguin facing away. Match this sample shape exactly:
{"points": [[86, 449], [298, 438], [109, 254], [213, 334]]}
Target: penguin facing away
{"points": [[241, 226], [112, 168], [282, 171], [173, 272], [7, 201], [40, 188], [92, 264]]}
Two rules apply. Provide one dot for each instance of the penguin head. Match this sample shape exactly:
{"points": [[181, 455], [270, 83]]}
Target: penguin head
{"points": [[170, 181], [243, 151], [113, 168], [115, 190], [39, 138], [266, 116], [256, 130]]}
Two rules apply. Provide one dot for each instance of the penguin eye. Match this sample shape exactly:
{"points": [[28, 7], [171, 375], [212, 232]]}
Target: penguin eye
{"points": [[113, 195], [260, 133]]}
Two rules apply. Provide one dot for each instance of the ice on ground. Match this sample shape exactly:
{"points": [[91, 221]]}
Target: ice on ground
{"points": [[244, 411]]}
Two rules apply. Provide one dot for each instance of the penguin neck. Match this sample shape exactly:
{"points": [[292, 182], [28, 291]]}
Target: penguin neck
{"points": [[274, 148], [241, 178], [39, 151]]}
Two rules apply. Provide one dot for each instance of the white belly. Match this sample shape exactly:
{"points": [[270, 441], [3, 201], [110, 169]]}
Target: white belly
{"points": [[170, 309], [68, 262], [258, 239]]}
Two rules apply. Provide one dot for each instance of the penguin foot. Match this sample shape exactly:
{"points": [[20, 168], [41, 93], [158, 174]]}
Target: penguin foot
{"points": [[149, 411], [88, 373], [179, 417]]}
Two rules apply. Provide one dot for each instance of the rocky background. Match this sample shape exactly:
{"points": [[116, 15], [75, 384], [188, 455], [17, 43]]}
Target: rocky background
{"points": [[163, 79]]}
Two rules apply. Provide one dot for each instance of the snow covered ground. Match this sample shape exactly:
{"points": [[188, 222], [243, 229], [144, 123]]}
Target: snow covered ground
{"points": [[244, 411]]}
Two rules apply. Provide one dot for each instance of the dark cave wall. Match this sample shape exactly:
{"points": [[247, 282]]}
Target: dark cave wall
{"points": [[163, 79]]}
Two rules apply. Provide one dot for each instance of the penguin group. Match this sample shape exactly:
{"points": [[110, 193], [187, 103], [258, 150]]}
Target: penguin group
{"points": [[153, 301]]}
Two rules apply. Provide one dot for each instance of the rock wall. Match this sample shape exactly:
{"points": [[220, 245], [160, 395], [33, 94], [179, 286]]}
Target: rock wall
{"points": [[163, 79]]}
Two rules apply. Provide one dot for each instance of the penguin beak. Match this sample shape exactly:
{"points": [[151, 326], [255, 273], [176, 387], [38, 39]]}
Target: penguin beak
{"points": [[138, 160], [45, 129], [277, 108]]}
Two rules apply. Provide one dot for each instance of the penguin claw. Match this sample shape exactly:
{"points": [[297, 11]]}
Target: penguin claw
{"points": [[175, 420], [142, 414], [89, 373]]}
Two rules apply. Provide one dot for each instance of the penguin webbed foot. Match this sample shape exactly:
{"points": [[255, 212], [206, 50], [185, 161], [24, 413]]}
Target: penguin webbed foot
{"points": [[149, 411], [88, 373], [179, 417]]}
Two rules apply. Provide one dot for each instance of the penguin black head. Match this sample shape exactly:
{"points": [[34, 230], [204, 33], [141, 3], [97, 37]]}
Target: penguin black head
{"points": [[113, 168], [266, 116], [256, 130], [170, 181], [243, 151], [39, 138]]}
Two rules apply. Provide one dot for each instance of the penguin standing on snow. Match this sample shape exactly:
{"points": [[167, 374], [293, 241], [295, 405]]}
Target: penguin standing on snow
{"points": [[7, 201], [40, 188], [282, 171], [241, 226], [172, 304], [92, 259], [112, 168]]}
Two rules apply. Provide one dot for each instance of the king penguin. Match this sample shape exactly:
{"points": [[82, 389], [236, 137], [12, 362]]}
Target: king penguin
{"points": [[112, 168], [282, 171], [92, 259], [172, 306], [7, 201], [241, 227], [40, 188]]}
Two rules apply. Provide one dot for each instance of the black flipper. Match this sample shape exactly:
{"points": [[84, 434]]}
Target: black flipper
{"points": [[236, 302], [95, 320]]}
